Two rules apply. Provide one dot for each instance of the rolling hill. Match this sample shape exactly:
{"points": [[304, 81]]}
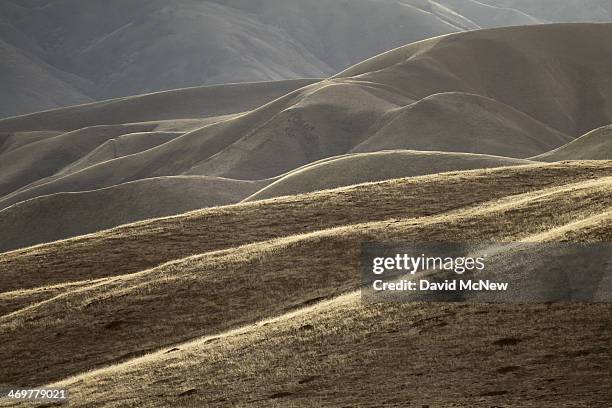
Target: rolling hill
{"points": [[378, 166], [141, 46], [302, 349], [595, 145], [38, 220], [14, 140], [189, 103], [202, 246], [43, 158], [260, 288], [487, 92], [215, 229]]}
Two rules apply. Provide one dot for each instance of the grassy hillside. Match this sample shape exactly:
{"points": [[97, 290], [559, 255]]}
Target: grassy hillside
{"points": [[157, 241], [434, 65], [342, 351], [203, 246], [360, 168], [15, 140], [123, 145], [218, 291], [38, 220], [595, 145]]}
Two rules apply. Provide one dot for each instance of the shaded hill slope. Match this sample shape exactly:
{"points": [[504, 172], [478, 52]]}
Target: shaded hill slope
{"points": [[123, 145], [215, 292], [14, 140], [552, 10], [29, 84], [510, 53], [464, 123], [37, 160], [186, 103], [140, 46], [489, 15], [58, 216], [595, 145], [370, 167]]}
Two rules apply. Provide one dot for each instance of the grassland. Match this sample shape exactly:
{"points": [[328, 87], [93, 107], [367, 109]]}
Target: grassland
{"points": [[134, 310], [253, 298]]}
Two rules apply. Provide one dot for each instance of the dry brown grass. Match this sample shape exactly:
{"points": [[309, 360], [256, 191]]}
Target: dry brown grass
{"points": [[345, 353], [38, 221], [19, 299], [123, 317], [256, 304], [147, 244]]}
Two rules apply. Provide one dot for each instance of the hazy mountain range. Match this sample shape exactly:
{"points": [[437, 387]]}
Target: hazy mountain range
{"points": [[65, 52]]}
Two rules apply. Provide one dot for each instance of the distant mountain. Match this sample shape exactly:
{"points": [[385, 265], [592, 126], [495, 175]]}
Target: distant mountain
{"points": [[29, 84], [560, 11], [66, 52]]}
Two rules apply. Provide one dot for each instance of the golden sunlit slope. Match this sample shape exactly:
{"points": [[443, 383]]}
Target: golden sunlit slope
{"points": [[63, 215], [125, 316], [345, 353], [150, 243], [369, 167], [487, 92], [595, 145]]}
